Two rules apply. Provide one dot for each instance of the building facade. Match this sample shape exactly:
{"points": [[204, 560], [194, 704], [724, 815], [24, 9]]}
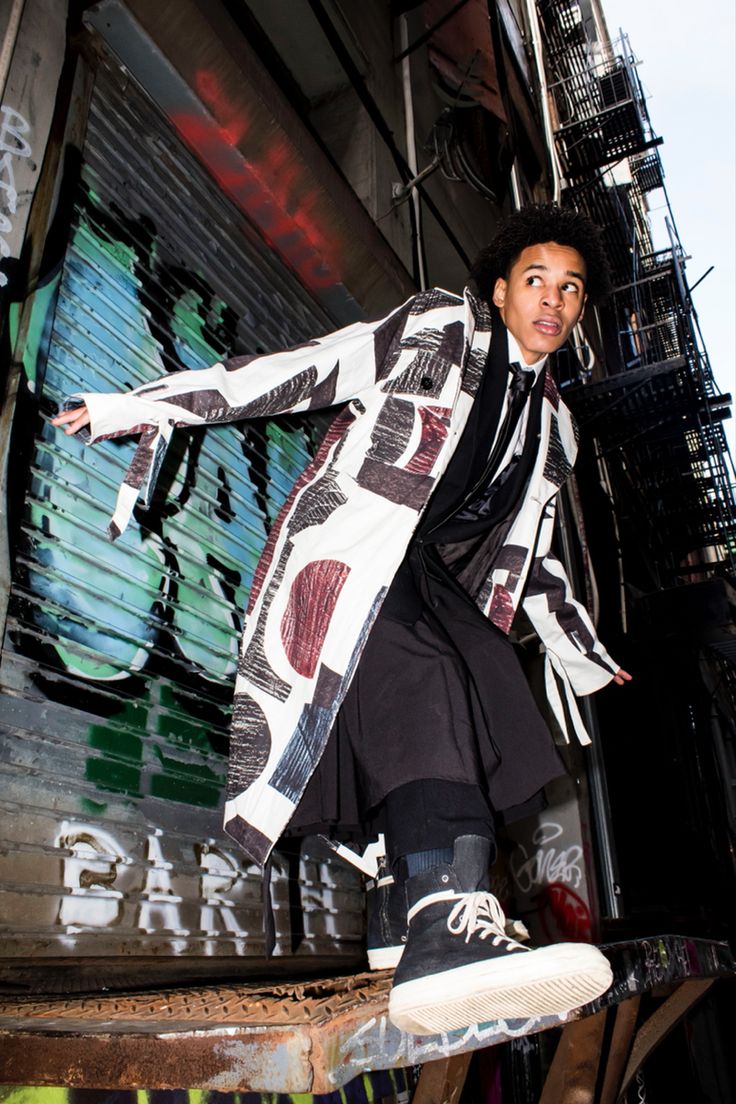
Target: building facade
{"points": [[191, 179]]}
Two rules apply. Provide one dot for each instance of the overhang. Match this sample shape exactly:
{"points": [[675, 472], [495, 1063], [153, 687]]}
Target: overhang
{"points": [[210, 84]]}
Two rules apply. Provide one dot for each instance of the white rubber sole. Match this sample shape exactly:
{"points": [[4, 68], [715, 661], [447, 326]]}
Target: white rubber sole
{"points": [[546, 982], [384, 958]]}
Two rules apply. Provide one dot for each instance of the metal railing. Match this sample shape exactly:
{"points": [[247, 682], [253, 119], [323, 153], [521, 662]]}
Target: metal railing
{"points": [[652, 402], [599, 103]]}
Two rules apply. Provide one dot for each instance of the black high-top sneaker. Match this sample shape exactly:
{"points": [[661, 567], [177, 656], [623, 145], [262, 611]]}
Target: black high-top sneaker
{"points": [[385, 902], [386, 909], [460, 968]]}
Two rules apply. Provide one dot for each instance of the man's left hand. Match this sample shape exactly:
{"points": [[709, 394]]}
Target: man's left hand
{"points": [[622, 677]]}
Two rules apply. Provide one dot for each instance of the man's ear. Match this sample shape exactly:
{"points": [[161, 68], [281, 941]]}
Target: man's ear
{"points": [[582, 309], [499, 292]]}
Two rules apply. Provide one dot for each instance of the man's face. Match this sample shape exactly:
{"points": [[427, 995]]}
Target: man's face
{"points": [[543, 297]]}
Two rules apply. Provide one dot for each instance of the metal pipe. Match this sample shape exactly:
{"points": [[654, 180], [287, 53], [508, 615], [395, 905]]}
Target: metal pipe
{"points": [[9, 40], [516, 185], [601, 816], [536, 37], [600, 807], [605, 483], [378, 120], [402, 191], [411, 151], [406, 49]]}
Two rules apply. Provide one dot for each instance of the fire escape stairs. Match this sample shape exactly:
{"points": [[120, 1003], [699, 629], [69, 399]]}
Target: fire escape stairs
{"points": [[652, 406]]}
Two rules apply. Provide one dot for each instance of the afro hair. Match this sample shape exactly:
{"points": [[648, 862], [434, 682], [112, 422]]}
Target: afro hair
{"points": [[538, 224]]}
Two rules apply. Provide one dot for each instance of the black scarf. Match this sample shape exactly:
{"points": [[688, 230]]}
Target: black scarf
{"points": [[459, 551], [467, 503]]}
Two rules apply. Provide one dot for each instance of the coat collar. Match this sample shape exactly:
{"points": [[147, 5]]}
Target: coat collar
{"points": [[479, 309]]}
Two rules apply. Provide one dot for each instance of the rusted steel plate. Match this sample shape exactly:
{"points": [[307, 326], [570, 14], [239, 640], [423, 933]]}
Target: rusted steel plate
{"points": [[314, 1002], [227, 1038], [308, 1036], [246, 1059]]}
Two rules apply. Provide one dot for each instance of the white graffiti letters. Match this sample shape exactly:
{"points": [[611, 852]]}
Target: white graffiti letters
{"points": [[547, 865], [378, 1043], [90, 870], [13, 144], [104, 885]]}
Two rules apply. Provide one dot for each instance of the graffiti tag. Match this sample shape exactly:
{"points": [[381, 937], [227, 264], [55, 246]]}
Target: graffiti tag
{"points": [[547, 864], [13, 127], [377, 1038]]}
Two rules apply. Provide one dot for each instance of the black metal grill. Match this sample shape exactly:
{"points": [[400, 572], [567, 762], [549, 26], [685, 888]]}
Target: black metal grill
{"points": [[647, 173], [665, 444], [600, 107]]}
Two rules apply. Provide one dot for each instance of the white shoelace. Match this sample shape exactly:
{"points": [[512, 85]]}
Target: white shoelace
{"points": [[480, 913]]}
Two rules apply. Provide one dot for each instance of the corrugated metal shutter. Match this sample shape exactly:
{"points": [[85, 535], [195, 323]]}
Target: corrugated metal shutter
{"points": [[119, 658]]}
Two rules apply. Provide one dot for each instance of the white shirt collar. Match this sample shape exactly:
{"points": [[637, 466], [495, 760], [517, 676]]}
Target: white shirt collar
{"points": [[516, 357]]}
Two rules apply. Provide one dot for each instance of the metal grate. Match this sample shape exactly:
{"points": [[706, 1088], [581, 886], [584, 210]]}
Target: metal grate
{"points": [[624, 228]]}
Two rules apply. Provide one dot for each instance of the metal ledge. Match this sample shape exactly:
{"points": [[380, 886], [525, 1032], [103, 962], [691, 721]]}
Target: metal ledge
{"points": [[311, 1036]]}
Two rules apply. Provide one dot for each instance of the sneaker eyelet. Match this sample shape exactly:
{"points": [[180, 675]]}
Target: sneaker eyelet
{"points": [[445, 878]]}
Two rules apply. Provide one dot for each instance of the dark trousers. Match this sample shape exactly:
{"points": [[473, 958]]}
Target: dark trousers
{"points": [[430, 815]]}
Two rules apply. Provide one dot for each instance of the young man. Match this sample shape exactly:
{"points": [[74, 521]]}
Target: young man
{"points": [[376, 681]]}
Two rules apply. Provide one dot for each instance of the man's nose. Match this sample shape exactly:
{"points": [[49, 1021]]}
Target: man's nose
{"points": [[552, 298]]}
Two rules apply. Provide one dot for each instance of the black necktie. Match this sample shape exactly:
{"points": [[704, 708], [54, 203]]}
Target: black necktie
{"points": [[520, 385], [481, 503]]}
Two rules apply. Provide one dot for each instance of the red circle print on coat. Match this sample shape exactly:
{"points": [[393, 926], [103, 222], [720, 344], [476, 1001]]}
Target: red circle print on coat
{"points": [[312, 600]]}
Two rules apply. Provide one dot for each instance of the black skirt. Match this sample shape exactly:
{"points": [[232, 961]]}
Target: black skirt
{"points": [[439, 693]]}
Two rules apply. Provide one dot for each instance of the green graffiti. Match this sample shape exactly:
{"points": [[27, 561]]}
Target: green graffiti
{"points": [[388, 1086], [190, 783], [175, 584], [124, 766], [10, 1094], [39, 313]]}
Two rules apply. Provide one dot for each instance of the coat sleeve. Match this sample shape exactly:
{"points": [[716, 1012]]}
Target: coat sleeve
{"points": [[318, 374], [575, 653]]}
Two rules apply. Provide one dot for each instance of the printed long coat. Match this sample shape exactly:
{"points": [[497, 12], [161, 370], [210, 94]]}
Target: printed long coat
{"points": [[406, 383]]}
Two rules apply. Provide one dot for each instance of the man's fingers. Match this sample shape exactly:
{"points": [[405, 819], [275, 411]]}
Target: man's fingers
{"points": [[65, 416], [622, 677], [72, 420]]}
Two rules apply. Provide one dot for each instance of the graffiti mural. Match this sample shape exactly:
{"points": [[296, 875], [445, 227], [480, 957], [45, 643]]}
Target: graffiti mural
{"points": [[174, 588], [120, 657], [194, 554], [270, 188]]}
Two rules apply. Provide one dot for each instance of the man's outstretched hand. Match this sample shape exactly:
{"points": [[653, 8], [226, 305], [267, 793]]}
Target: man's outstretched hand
{"points": [[72, 420], [622, 677]]}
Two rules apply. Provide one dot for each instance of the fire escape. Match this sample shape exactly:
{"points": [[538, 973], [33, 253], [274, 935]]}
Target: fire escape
{"points": [[653, 406], [652, 424]]}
